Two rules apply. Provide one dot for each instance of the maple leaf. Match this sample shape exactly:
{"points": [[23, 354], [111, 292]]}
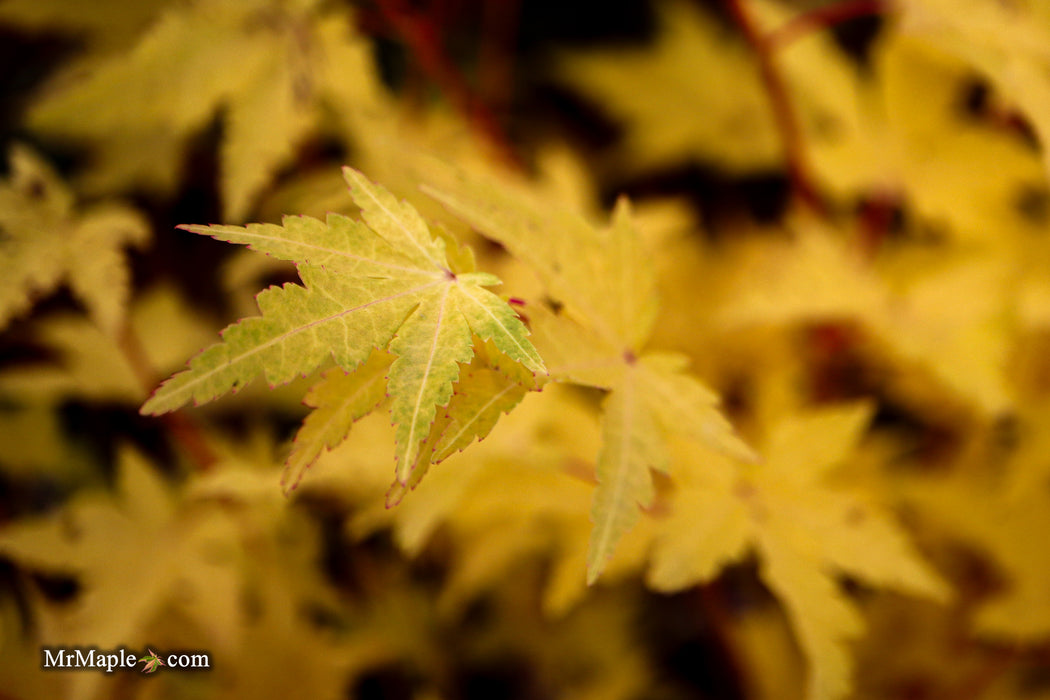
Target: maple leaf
{"points": [[914, 318], [1008, 45], [131, 553], [339, 399], [282, 60], [46, 241], [607, 287], [696, 93], [933, 141], [804, 531], [152, 662], [89, 363], [999, 516], [106, 24], [703, 93], [522, 494], [382, 282], [488, 387]]}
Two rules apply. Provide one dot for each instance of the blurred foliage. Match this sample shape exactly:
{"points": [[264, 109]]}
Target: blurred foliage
{"points": [[795, 437]]}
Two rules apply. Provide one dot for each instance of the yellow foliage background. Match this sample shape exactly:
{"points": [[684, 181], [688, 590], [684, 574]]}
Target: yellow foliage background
{"points": [[838, 236]]}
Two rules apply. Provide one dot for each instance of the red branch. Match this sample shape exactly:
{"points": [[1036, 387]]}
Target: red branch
{"points": [[823, 17], [420, 34], [783, 112], [180, 427]]}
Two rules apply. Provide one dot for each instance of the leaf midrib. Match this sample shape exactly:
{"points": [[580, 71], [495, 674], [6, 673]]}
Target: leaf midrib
{"points": [[312, 246], [188, 387], [410, 444]]}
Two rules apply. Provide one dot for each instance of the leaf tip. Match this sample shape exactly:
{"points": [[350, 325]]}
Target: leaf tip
{"points": [[151, 407], [594, 570], [394, 494]]}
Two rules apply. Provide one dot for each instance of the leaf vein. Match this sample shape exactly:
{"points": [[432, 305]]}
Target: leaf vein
{"points": [[426, 371], [299, 329], [495, 319], [404, 228], [323, 249], [478, 413]]}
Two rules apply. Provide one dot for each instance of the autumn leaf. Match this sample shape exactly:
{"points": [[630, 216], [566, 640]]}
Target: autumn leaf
{"points": [[696, 94], [702, 98], [48, 240], [606, 285], [339, 399], [131, 553], [521, 494], [86, 362], [488, 387], [907, 306], [287, 61], [1006, 45], [998, 516], [384, 282], [933, 140], [804, 532]]}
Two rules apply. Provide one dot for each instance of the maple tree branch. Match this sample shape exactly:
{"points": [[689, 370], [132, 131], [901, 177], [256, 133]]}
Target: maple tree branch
{"points": [[185, 432], [420, 33], [824, 17], [876, 220], [798, 169]]}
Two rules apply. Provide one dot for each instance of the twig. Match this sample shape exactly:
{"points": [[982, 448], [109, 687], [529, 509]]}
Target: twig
{"points": [[823, 17], [182, 429], [875, 223], [421, 37], [798, 169]]}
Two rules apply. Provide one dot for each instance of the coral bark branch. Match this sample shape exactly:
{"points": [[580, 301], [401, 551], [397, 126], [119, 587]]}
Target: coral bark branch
{"points": [[824, 17], [787, 123], [421, 35], [185, 432]]}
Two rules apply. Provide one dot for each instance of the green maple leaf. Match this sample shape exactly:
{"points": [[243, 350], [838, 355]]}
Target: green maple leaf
{"points": [[488, 387], [152, 662], [606, 284], [382, 282], [339, 399]]}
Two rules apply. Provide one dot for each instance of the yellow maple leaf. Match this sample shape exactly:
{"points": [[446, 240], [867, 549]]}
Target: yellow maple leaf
{"points": [[909, 312], [270, 65], [49, 240], [605, 285], [803, 532]]}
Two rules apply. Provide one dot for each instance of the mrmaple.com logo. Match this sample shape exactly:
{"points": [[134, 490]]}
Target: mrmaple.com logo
{"points": [[73, 658]]}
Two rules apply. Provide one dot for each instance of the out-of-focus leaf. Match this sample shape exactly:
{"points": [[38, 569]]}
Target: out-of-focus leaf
{"points": [[49, 240]]}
